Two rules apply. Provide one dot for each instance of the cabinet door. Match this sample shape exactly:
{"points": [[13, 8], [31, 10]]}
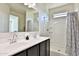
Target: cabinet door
{"points": [[23, 53], [43, 48], [48, 47], [33, 51]]}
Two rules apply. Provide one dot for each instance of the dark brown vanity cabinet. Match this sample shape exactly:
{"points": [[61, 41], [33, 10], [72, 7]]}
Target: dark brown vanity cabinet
{"points": [[41, 49], [45, 48], [33, 51], [22, 53]]}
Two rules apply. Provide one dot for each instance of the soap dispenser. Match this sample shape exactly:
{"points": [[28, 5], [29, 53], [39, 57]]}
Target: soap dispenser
{"points": [[27, 37]]}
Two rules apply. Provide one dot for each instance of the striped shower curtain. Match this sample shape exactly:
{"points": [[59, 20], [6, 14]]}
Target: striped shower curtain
{"points": [[72, 46]]}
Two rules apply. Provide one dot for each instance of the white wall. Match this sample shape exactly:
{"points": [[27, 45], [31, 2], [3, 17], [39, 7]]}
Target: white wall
{"points": [[4, 18]]}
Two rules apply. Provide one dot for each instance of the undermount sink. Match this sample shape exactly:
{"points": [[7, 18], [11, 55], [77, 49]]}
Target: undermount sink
{"points": [[4, 49], [16, 45]]}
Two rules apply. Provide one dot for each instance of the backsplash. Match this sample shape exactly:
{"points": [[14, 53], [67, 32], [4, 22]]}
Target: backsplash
{"points": [[4, 37]]}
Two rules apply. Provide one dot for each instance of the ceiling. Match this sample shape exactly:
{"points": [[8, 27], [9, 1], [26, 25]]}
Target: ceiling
{"points": [[20, 7], [46, 6]]}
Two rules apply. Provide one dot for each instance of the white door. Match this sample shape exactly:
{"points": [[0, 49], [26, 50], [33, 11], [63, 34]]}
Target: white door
{"points": [[13, 23], [58, 34]]}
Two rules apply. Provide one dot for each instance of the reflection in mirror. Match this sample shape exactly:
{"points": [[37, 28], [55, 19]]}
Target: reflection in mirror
{"points": [[13, 23], [16, 17], [29, 26], [32, 21]]}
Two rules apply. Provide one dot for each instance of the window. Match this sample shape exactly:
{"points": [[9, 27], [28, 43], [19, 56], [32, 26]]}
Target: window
{"points": [[13, 23]]}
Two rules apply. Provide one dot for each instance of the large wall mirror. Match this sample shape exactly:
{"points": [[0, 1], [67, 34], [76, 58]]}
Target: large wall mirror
{"points": [[14, 17]]}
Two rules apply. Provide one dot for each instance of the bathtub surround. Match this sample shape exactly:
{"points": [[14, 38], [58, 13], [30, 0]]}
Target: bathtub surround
{"points": [[72, 46]]}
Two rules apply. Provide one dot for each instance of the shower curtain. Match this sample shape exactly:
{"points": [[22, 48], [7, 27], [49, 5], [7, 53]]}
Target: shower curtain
{"points": [[72, 45]]}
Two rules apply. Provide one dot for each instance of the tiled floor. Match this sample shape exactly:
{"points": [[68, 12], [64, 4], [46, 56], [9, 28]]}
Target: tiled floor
{"points": [[56, 54]]}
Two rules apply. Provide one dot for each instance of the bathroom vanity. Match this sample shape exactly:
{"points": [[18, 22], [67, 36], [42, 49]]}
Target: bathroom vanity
{"points": [[40, 49], [31, 47]]}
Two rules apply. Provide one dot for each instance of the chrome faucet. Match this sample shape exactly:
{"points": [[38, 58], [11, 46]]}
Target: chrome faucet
{"points": [[13, 39]]}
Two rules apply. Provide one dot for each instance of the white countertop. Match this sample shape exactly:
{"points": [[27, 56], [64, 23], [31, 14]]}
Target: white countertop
{"points": [[11, 49]]}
